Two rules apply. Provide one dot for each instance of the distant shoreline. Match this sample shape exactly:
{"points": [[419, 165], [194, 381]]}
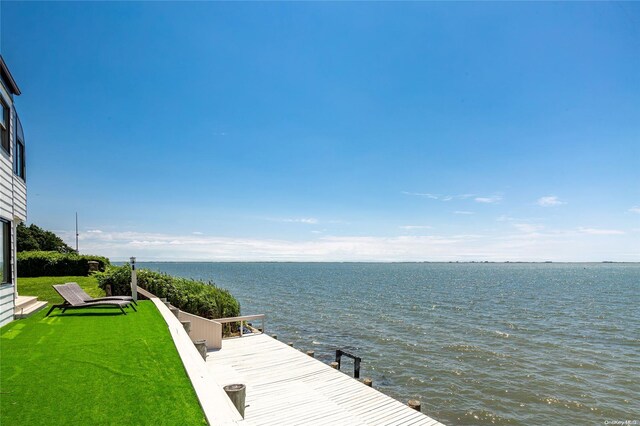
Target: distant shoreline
{"points": [[470, 262]]}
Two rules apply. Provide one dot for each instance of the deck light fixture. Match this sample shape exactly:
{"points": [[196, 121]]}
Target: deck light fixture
{"points": [[134, 279]]}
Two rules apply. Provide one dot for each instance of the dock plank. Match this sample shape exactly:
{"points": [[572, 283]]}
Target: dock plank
{"points": [[287, 387]]}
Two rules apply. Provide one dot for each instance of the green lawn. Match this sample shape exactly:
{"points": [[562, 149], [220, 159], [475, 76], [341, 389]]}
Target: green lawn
{"points": [[92, 367], [41, 287]]}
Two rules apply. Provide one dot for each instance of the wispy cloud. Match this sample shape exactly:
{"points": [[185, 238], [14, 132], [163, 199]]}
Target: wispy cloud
{"points": [[439, 196], [94, 231], [463, 212], [422, 194], [635, 209], [197, 233], [596, 231], [528, 227], [488, 200], [410, 227], [549, 201], [306, 220], [597, 244]]}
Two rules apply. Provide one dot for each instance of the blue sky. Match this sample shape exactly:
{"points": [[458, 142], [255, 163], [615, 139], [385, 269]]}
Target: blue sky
{"points": [[332, 131]]}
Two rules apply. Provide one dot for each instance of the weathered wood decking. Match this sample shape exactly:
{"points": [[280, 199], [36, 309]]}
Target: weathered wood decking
{"points": [[288, 387]]}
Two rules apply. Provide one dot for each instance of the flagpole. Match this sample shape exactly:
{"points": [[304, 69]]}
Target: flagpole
{"points": [[77, 249]]}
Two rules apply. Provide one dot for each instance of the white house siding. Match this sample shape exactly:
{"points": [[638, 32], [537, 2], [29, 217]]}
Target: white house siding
{"points": [[19, 199], [6, 303], [6, 187], [13, 208]]}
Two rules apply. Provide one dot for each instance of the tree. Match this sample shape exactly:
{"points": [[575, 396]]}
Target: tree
{"points": [[33, 237]]}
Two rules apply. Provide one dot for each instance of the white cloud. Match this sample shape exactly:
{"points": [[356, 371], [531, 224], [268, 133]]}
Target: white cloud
{"points": [[488, 200], [635, 209], [410, 227], [463, 212], [596, 231], [549, 201], [438, 196], [422, 194], [306, 220], [93, 231], [528, 227], [559, 245], [197, 233]]}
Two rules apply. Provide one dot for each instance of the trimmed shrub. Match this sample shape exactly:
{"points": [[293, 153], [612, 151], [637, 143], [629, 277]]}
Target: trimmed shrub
{"points": [[195, 297], [56, 264]]}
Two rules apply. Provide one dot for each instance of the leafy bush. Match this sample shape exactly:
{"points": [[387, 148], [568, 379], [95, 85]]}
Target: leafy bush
{"points": [[56, 264], [195, 297]]}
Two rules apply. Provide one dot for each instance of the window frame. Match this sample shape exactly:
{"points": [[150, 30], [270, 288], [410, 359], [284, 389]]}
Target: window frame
{"points": [[6, 243], [5, 128], [19, 154]]}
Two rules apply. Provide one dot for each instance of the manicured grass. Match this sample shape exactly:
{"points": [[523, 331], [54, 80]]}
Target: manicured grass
{"points": [[93, 367], [41, 287]]}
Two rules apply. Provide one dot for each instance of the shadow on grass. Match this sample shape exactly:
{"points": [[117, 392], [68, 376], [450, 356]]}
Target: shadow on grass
{"points": [[86, 314]]}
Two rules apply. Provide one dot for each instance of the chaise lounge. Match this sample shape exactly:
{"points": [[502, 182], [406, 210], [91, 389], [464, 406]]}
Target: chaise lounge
{"points": [[86, 298], [73, 301]]}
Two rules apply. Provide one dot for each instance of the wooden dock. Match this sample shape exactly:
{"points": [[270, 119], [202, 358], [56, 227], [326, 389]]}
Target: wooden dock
{"points": [[288, 387]]}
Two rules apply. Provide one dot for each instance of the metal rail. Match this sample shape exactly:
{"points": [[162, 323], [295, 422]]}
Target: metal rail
{"points": [[241, 320], [356, 361]]}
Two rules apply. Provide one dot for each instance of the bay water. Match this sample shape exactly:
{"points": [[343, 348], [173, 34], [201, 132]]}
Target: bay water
{"points": [[476, 343]]}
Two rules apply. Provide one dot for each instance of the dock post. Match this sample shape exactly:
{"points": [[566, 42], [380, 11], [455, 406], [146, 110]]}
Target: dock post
{"points": [[290, 344], [312, 354], [356, 368], [367, 381], [415, 404], [274, 336], [335, 365], [237, 394], [201, 346]]}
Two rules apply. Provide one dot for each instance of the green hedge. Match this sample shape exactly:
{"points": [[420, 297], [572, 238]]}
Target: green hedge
{"points": [[195, 297], [55, 264]]}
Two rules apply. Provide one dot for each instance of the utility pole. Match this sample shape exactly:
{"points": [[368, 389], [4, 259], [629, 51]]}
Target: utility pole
{"points": [[77, 249]]}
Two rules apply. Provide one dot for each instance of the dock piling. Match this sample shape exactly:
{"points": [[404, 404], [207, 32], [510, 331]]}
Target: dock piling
{"points": [[415, 404], [201, 346], [237, 394], [175, 311]]}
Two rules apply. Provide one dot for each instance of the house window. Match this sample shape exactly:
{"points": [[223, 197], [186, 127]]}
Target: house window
{"points": [[19, 163], [5, 246], [4, 126]]}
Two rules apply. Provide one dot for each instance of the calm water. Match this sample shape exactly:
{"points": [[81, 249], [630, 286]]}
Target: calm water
{"points": [[476, 343]]}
